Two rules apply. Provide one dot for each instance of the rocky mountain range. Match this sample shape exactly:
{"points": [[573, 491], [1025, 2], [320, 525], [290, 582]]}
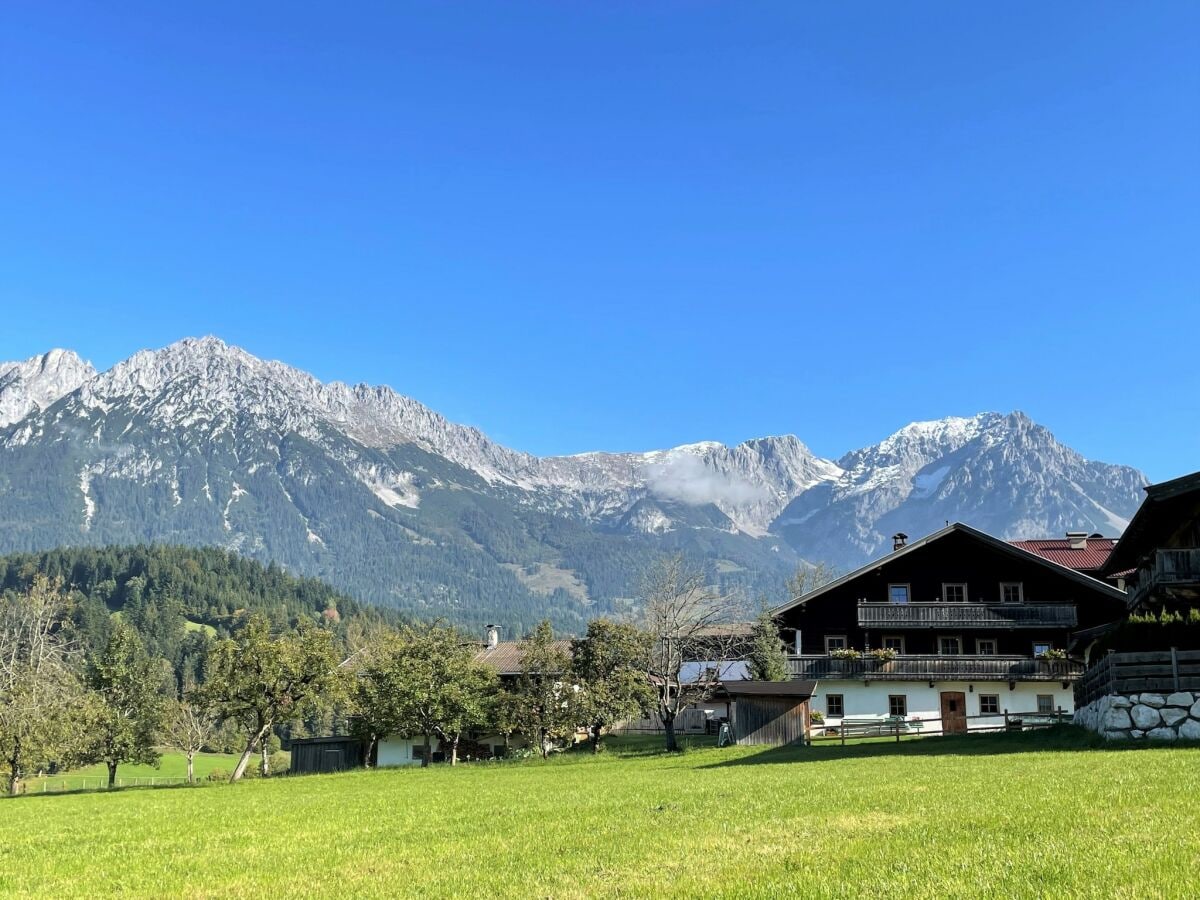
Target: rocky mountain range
{"points": [[202, 443]]}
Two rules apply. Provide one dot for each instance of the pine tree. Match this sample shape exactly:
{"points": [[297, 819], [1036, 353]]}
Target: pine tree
{"points": [[766, 660]]}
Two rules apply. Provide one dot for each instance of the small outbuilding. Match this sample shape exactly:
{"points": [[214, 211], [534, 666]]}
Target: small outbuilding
{"points": [[327, 754], [769, 713]]}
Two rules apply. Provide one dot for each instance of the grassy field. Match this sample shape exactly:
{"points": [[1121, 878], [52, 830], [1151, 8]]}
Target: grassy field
{"points": [[1010, 815], [172, 765]]}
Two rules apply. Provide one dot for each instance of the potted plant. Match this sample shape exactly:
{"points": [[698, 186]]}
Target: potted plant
{"points": [[882, 654], [845, 653]]}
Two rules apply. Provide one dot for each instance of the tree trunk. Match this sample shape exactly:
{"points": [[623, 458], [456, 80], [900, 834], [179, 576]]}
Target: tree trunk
{"points": [[428, 754], [372, 759], [454, 751], [14, 770], [191, 758], [112, 775], [595, 738], [265, 765], [240, 769], [669, 728]]}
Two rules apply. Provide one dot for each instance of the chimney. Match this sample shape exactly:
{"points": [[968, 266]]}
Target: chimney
{"points": [[493, 636], [899, 539], [1078, 539]]}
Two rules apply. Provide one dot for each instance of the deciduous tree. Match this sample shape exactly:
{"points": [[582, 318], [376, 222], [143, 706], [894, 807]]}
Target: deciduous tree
{"points": [[421, 680], [127, 688], [190, 727], [261, 680], [547, 695], [691, 638], [40, 691], [610, 664]]}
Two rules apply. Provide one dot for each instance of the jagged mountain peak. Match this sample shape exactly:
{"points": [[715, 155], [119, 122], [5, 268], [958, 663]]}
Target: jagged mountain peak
{"points": [[203, 442], [35, 383]]}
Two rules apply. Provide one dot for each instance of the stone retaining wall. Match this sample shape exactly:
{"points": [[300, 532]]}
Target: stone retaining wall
{"points": [[1157, 717]]}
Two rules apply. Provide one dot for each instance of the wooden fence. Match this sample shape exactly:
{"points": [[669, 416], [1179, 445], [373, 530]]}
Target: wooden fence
{"points": [[897, 727], [1160, 671]]}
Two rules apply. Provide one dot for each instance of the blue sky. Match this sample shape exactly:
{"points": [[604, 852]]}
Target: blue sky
{"points": [[621, 225]]}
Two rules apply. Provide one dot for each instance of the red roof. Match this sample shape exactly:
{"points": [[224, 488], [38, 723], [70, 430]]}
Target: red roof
{"points": [[1059, 550]]}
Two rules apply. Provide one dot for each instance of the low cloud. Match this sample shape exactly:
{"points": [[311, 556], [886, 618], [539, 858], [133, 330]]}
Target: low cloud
{"points": [[687, 479]]}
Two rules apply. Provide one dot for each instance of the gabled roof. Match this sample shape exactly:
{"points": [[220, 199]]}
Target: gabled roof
{"points": [[1059, 550], [506, 657], [956, 527], [1156, 519]]}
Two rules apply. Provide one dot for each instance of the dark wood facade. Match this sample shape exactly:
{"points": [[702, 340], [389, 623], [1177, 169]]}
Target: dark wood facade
{"points": [[328, 754], [1161, 547], [977, 607]]}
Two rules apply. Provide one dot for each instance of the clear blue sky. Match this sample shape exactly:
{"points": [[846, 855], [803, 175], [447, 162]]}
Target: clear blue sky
{"points": [[625, 225]]}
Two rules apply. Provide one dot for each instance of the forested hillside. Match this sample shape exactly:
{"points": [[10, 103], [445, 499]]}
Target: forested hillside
{"points": [[177, 597]]}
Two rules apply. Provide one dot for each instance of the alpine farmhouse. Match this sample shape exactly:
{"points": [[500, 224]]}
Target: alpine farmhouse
{"points": [[957, 631]]}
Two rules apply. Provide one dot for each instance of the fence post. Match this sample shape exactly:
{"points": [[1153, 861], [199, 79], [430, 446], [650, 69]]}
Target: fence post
{"points": [[897, 732], [1175, 667]]}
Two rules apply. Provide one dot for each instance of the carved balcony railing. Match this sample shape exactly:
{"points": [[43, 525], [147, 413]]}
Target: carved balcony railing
{"points": [[936, 668], [1166, 570], [967, 615]]}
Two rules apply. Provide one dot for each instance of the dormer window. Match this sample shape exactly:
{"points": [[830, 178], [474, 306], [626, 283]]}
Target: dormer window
{"points": [[898, 593], [954, 593], [1012, 592]]}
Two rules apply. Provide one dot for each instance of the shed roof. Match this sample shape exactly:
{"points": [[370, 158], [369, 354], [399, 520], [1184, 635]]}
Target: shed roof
{"points": [[799, 689]]}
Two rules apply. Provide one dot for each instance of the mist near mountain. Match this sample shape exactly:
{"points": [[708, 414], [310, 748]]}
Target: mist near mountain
{"points": [[202, 443]]}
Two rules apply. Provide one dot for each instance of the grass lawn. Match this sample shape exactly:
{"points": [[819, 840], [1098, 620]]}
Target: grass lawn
{"points": [[172, 765], [1010, 815]]}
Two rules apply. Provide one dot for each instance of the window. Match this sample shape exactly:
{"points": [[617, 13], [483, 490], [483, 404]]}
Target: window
{"points": [[893, 642], [1012, 592], [835, 642], [954, 593], [989, 704], [834, 706], [897, 593], [985, 646], [949, 646], [1041, 648], [418, 751], [897, 705], [1045, 703]]}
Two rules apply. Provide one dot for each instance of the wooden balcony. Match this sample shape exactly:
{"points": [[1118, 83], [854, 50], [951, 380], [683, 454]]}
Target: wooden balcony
{"points": [[967, 615], [936, 668], [1167, 572]]}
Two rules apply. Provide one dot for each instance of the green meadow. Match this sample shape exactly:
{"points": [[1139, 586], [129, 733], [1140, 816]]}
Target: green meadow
{"points": [[1051, 814], [172, 766]]}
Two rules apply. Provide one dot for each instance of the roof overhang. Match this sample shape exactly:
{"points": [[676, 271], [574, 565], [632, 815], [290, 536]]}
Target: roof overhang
{"points": [[956, 527]]}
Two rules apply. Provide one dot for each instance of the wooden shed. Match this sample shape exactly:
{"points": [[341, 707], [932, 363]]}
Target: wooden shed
{"points": [[326, 754], [770, 713]]}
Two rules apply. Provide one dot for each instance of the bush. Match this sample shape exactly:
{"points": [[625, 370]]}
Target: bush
{"points": [[1153, 630], [217, 775]]}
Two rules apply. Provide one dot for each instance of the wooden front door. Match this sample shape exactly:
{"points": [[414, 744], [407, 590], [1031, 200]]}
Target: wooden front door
{"points": [[954, 712]]}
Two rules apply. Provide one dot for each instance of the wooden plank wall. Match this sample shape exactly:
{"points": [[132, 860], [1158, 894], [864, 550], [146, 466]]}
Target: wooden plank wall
{"points": [[772, 721], [1161, 671], [326, 756]]}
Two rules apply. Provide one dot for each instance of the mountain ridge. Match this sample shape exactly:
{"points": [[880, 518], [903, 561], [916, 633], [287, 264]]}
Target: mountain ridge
{"points": [[201, 441]]}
